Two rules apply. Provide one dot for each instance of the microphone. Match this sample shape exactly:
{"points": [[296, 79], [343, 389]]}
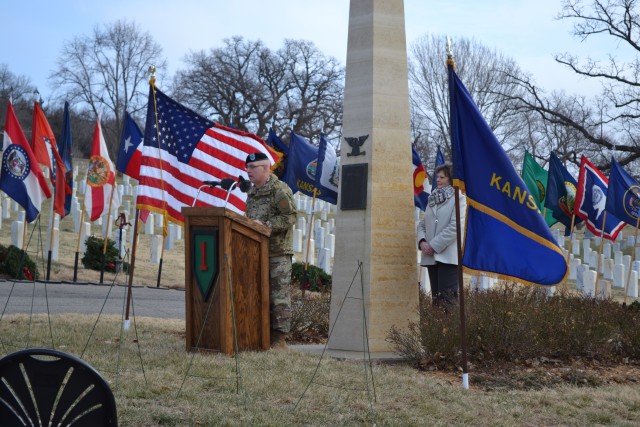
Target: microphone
{"points": [[227, 183], [224, 183], [244, 184]]}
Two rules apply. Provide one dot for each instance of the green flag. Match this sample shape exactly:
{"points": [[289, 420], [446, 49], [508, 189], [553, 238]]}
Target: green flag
{"points": [[535, 177]]}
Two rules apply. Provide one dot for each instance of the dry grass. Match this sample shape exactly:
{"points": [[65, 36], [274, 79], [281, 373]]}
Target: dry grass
{"points": [[269, 385]]}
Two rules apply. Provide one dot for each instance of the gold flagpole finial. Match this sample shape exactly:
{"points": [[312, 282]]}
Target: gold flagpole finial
{"points": [[450, 60], [152, 78]]}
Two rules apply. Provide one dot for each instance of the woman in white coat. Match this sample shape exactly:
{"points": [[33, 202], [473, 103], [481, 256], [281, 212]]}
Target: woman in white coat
{"points": [[437, 237]]}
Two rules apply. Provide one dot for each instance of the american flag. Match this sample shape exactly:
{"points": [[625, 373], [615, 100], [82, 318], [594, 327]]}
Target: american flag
{"points": [[183, 149]]}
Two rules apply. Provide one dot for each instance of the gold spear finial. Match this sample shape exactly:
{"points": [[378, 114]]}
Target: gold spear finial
{"points": [[152, 78], [450, 60]]}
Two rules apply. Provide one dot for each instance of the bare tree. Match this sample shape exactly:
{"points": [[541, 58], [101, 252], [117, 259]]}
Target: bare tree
{"points": [[18, 88], [608, 124], [108, 72], [483, 72], [246, 85]]}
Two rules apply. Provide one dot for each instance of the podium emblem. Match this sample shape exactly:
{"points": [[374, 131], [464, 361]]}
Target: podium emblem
{"points": [[204, 260]]}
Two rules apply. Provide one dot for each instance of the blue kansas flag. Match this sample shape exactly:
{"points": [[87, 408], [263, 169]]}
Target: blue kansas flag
{"points": [[302, 167], [420, 196], [623, 197], [591, 199], [328, 171], [505, 233]]}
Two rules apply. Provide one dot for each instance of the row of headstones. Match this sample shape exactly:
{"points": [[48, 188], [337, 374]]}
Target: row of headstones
{"points": [[616, 271], [322, 241]]}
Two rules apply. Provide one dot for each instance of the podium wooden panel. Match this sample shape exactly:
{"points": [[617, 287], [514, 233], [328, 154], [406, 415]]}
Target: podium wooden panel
{"points": [[245, 244]]}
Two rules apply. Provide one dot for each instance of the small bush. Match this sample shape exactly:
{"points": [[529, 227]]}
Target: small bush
{"points": [[17, 264], [316, 279], [309, 317], [515, 323], [93, 255]]}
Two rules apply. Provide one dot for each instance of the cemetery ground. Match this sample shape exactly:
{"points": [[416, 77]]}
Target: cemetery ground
{"points": [[156, 382]]}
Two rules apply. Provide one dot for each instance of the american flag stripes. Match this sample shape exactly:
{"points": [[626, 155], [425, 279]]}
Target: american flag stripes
{"points": [[181, 150]]}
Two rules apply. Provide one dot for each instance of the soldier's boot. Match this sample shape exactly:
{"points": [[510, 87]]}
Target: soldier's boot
{"points": [[278, 339]]}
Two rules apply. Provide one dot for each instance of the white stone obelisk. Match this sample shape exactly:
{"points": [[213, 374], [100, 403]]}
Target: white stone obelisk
{"points": [[382, 234]]}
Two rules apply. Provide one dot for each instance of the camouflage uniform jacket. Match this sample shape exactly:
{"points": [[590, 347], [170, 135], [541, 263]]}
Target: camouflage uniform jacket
{"points": [[273, 205]]}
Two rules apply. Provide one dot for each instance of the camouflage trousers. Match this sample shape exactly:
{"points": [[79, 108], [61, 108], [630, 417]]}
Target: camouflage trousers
{"points": [[280, 292]]}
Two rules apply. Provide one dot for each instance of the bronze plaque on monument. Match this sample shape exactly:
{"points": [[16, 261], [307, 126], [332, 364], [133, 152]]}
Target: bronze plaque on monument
{"points": [[353, 194]]}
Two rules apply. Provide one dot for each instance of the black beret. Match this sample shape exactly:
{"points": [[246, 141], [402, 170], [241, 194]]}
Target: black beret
{"points": [[255, 157]]}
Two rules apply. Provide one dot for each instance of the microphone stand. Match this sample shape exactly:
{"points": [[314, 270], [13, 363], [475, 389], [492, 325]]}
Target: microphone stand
{"points": [[229, 193], [195, 199]]}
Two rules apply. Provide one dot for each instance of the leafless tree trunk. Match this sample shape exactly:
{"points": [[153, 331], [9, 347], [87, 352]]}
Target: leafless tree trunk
{"points": [[108, 72]]}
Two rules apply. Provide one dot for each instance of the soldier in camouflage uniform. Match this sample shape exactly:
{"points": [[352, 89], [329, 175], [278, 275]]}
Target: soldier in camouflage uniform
{"points": [[270, 202]]}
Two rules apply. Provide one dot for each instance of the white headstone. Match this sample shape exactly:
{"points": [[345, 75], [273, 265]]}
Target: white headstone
{"points": [[6, 210], [619, 277], [297, 240], [56, 244], [324, 260], [21, 215], [319, 237], [17, 230], [617, 257], [608, 269], [604, 290], [589, 284], [330, 243], [149, 226], [633, 285], [302, 224], [586, 244], [84, 233], [593, 259], [312, 255], [606, 250], [168, 241], [573, 268], [156, 248], [626, 260]]}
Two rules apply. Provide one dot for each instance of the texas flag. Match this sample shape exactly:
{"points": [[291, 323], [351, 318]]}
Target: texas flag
{"points": [[21, 177], [101, 178], [130, 154]]}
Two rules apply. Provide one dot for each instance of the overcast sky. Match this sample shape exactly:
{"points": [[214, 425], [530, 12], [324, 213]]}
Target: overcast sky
{"points": [[33, 32]]}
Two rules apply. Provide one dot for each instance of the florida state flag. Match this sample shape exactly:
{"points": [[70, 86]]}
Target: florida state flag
{"points": [[101, 178]]}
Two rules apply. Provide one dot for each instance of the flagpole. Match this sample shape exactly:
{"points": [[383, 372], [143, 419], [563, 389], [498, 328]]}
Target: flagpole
{"points": [[131, 268], [106, 231], [463, 326], [24, 231], [165, 232], [635, 237], [604, 221], [573, 218], [75, 263], [306, 261], [49, 254]]}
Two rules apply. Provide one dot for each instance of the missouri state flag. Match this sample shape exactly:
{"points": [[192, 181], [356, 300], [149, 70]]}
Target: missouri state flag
{"points": [[623, 195], [21, 177], [101, 178], [591, 201], [505, 234]]}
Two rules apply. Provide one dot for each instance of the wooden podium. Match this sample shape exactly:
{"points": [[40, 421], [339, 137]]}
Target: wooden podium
{"points": [[227, 259]]}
